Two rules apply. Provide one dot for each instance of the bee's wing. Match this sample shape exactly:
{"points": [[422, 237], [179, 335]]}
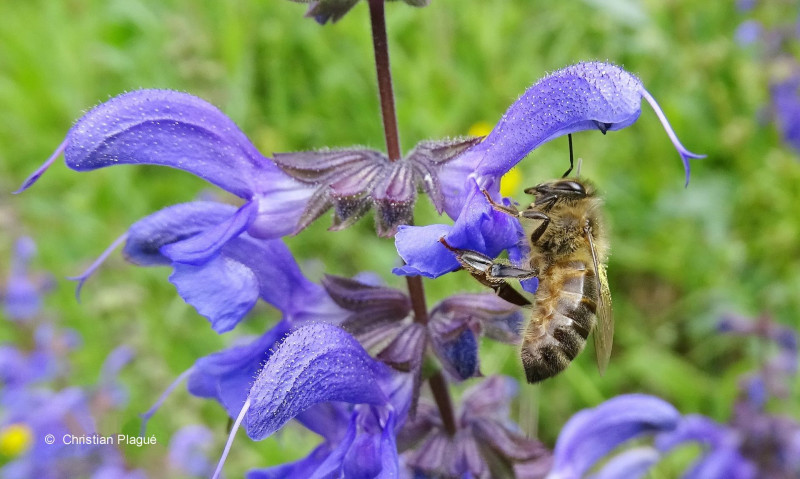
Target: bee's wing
{"points": [[604, 331]]}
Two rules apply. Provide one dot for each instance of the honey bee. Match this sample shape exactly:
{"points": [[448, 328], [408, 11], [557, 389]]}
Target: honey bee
{"points": [[568, 254]]}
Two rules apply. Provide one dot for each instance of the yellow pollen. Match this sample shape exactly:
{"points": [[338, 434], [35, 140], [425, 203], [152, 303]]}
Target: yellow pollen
{"points": [[15, 439], [480, 128], [510, 182]]}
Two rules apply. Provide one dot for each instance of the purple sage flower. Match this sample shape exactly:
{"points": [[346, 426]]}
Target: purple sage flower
{"points": [[748, 32], [109, 391], [178, 130], [786, 105], [315, 365], [22, 297], [227, 376], [721, 458], [61, 414], [222, 274], [188, 451], [585, 96], [351, 181], [753, 443], [593, 433]]}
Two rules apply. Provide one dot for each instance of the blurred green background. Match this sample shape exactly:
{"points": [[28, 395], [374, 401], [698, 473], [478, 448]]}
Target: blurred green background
{"points": [[680, 256]]}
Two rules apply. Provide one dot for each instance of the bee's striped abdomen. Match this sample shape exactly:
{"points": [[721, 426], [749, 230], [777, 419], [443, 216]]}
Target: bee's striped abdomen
{"points": [[563, 316]]}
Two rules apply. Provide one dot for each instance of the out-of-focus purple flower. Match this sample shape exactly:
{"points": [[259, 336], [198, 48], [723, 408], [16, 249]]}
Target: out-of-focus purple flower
{"points": [[745, 5], [752, 444], [748, 32], [178, 130], [486, 444], [17, 369], [52, 345], [188, 451], [593, 433], [118, 471], [22, 297], [324, 11], [320, 363], [779, 369], [721, 458], [109, 392], [786, 105], [63, 414], [630, 464], [21, 368], [585, 96], [770, 442]]}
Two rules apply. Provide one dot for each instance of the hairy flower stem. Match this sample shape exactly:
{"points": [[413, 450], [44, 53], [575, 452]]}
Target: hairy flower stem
{"points": [[381, 46], [438, 383]]}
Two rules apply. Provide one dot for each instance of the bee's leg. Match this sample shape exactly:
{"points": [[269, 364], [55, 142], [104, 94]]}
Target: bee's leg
{"points": [[539, 231], [509, 210], [492, 274], [507, 292], [569, 137], [528, 214]]}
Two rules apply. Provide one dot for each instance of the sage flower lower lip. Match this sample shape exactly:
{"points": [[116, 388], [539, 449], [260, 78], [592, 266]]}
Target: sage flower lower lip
{"points": [[479, 227], [223, 278]]}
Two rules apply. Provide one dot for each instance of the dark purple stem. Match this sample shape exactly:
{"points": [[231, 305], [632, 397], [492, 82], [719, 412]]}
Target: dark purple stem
{"points": [[416, 292], [381, 46]]}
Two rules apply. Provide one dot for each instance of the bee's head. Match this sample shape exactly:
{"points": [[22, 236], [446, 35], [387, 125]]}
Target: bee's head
{"points": [[562, 189]]}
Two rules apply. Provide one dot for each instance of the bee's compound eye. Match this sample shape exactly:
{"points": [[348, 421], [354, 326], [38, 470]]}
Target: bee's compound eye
{"points": [[572, 186]]}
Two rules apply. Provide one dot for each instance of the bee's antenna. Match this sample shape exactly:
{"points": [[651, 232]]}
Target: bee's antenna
{"points": [[569, 138]]}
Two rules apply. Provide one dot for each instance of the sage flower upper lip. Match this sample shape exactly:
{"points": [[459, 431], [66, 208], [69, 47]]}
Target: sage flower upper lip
{"points": [[585, 96], [178, 130], [320, 363]]}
